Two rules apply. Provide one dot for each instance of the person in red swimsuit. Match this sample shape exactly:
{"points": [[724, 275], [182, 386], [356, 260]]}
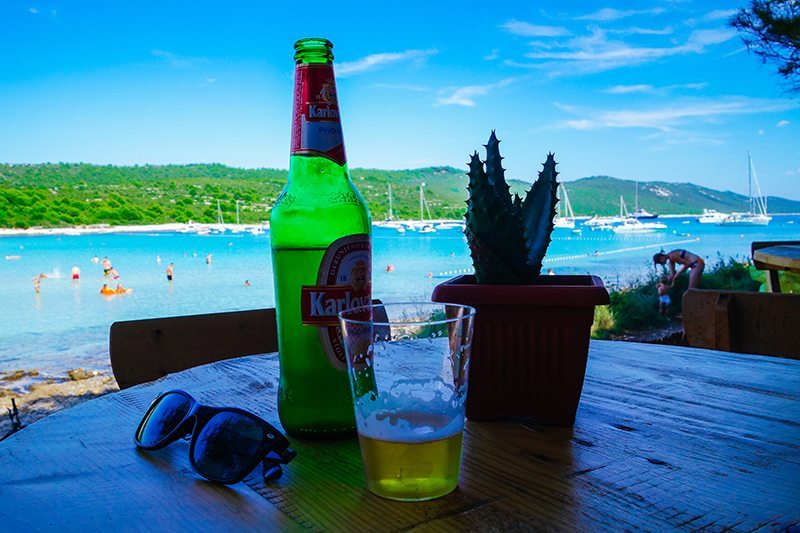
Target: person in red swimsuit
{"points": [[687, 260]]}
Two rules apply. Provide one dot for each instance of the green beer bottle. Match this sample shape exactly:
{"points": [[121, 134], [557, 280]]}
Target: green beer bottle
{"points": [[321, 255]]}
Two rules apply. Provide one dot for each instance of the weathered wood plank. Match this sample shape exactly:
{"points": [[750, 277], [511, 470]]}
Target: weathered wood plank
{"points": [[666, 437]]}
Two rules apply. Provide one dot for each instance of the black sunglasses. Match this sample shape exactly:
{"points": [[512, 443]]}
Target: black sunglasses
{"points": [[226, 443]]}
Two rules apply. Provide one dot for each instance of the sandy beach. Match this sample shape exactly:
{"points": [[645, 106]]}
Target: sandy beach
{"points": [[142, 228]]}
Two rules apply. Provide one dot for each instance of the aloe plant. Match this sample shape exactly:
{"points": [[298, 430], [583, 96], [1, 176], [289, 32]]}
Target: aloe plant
{"points": [[508, 236]]}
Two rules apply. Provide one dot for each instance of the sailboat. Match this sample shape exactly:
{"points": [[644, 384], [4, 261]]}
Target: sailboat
{"points": [[238, 227], [630, 224], [757, 214], [638, 212], [390, 223], [567, 219], [425, 227], [597, 222]]}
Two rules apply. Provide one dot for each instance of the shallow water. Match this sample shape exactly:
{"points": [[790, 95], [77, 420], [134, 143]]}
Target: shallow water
{"points": [[66, 325]]}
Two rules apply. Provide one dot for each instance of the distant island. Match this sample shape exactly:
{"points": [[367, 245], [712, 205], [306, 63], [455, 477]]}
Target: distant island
{"points": [[79, 194]]}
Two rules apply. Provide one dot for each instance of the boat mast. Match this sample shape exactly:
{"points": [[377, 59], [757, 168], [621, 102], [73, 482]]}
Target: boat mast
{"points": [[237, 212], [760, 200], [421, 217], [637, 197], [219, 214], [569, 214], [750, 183], [390, 202]]}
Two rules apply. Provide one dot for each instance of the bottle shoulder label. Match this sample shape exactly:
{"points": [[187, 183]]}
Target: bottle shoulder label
{"points": [[316, 127], [344, 281]]}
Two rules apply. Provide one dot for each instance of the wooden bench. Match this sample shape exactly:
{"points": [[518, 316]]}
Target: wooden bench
{"points": [[745, 322], [145, 350]]}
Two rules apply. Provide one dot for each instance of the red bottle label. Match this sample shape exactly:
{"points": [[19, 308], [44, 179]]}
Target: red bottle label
{"points": [[344, 281], [316, 127]]}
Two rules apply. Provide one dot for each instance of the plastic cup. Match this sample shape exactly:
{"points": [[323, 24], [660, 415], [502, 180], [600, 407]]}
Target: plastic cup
{"points": [[408, 365]]}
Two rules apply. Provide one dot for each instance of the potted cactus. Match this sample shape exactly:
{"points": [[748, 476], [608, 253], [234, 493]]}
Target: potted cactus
{"points": [[531, 338]]}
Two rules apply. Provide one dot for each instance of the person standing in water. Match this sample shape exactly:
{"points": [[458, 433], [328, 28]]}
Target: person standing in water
{"points": [[170, 271], [687, 260], [76, 273], [37, 282]]}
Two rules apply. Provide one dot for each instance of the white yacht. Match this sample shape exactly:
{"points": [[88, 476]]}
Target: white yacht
{"points": [[607, 223], [757, 214], [631, 225], [711, 216]]}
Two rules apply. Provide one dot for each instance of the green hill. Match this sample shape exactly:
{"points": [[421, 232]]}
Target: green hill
{"points": [[600, 195], [81, 194]]}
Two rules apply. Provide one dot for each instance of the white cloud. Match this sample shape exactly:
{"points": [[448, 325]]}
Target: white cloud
{"points": [[465, 96], [761, 132], [174, 60], [526, 29], [650, 89], [627, 89], [374, 61], [33, 10], [635, 30], [608, 14], [720, 14], [597, 53], [783, 123], [669, 117], [494, 55]]}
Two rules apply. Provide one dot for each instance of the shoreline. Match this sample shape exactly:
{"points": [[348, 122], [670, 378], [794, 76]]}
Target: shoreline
{"points": [[187, 227], [42, 398], [194, 227]]}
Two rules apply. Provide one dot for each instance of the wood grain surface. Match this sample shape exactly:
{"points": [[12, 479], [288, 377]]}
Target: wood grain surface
{"points": [[665, 438], [783, 257]]}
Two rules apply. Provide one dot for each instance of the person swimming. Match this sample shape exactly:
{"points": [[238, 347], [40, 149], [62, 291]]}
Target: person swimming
{"points": [[105, 290], [122, 290], [170, 271]]}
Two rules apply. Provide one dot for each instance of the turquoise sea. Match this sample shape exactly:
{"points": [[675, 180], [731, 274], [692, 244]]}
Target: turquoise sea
{"points": [[66, 325]]}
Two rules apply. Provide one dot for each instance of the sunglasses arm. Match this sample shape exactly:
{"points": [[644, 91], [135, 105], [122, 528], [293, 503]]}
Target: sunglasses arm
{"points": [[272, 463]]}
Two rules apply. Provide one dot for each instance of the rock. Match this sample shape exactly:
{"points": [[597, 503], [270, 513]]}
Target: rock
{"points": [[78, 374], [16, 375]]}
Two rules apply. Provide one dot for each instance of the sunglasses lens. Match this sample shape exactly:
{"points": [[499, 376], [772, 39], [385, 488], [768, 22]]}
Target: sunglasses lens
{"points": [[226, 445], [163, 419]]}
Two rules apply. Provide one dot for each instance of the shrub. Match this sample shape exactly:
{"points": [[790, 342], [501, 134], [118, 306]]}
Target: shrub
{"points": [[635, 308]]}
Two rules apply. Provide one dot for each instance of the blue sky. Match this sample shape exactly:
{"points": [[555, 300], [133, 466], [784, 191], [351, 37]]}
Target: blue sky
{"points": [[646, 90]]}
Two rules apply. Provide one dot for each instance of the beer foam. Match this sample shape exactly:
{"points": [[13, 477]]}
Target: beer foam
{"points": [[413, 411]]}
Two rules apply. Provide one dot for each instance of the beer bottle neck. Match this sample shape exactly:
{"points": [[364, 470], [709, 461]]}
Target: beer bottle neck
{"points": [[313, 50], [316, 125]]}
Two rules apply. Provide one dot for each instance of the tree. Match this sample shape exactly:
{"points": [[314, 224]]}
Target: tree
{"points": [[771, 30]]}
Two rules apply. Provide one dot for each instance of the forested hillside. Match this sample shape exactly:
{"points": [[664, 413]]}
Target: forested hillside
{"points": [[81, 194]]}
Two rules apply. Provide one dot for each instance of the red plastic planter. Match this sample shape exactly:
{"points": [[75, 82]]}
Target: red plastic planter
{"points": [[530, 345]]}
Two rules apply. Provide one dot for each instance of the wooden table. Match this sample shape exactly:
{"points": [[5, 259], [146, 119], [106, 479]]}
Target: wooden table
{"points": [[666, 437], [775, 258]]}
